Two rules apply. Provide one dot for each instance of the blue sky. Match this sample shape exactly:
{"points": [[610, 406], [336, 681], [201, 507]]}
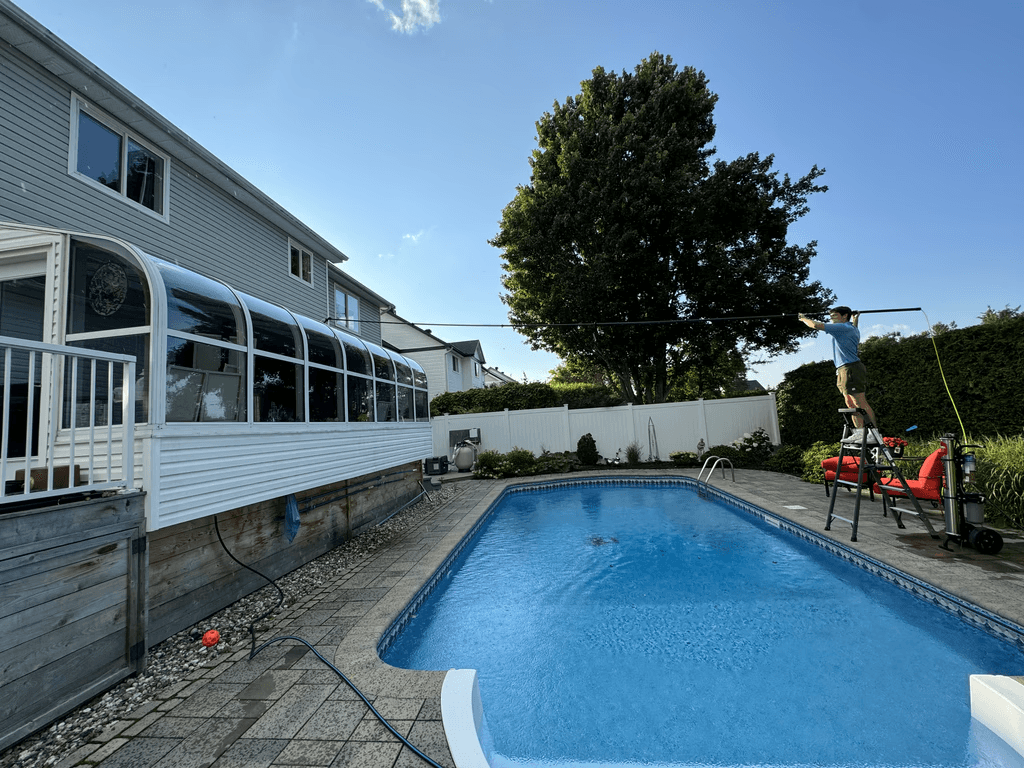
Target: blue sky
{"points": [[399, 129]]}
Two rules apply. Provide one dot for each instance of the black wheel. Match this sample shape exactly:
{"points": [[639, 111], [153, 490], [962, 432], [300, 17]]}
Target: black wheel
{"points": [[986, 541]]}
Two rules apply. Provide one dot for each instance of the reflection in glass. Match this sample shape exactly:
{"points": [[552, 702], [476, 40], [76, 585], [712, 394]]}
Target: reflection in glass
{"points": [[422, 411], [277, 389], [386, 410], [324, 347], [326, 395], [402, 367], [145, 182], [357, 359], [200, 306], [405, 408], [383, 368], [418, 376], [106, 291], [99, 152], [360, 399], [137, 345], [204, 382], [273, 328]]}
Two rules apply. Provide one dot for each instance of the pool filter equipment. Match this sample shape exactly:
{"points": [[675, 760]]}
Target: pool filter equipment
{"points": [[964, 510]]}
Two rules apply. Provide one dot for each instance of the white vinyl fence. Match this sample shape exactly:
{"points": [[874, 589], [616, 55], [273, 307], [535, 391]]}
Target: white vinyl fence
{"points": [[659, 429]]}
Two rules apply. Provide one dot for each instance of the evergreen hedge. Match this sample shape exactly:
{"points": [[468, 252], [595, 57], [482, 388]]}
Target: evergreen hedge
{"points": [[983, 365], [523, 397]]}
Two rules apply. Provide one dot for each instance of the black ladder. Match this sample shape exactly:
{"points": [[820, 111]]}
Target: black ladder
{"points": [[872, 460]]}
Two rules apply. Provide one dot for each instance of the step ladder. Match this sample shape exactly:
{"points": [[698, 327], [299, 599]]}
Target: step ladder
{"points": [[873, 459]]}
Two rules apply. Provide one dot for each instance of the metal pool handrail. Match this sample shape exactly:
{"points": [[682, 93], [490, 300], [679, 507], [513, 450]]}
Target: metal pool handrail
{"points": [[700, 476]]}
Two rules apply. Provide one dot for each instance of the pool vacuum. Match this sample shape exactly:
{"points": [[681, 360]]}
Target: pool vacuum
{"points": [[964, 511]]}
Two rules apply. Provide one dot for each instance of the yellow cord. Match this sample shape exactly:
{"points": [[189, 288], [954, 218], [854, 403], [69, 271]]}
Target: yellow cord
{"points": [[943, 375]]}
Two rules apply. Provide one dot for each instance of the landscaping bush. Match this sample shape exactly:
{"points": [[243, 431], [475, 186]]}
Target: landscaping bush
{"points": [[586, 450], [488, 464], [812, 458], [555, 463], [730, 452], [633, 453], [685, 459], [756, 448], [1000, 477], [787, 459]]}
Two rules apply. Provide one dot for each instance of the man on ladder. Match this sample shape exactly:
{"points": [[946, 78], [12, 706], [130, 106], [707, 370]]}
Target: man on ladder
{"points": [[851, 375]]}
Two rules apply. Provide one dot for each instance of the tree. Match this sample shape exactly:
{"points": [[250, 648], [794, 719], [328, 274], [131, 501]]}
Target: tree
{"points": [[627, 236]]}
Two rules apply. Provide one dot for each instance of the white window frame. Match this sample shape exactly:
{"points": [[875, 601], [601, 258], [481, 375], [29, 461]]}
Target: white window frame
{"points": [[455, 364], [346, 319], [79, 105], [304, 252]]}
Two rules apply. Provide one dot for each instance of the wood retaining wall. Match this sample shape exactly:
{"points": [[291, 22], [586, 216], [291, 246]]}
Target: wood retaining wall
{"points": [[192, 577], [71, 607]]}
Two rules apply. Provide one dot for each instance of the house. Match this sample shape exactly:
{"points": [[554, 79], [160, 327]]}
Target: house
{"points": [[186, 368], [449, 366], [495, 378]]}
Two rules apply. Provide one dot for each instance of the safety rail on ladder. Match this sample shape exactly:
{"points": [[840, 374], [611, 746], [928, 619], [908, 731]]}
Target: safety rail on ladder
{"points": [[702, 489]]}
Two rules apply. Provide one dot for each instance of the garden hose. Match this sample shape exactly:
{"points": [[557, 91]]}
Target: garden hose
{"points": [[943, 375], [254, 650]]}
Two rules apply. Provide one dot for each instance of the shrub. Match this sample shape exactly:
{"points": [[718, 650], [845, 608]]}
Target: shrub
{"points": [[812, 458], [555, 463], [730, 452], [756, 447], [633, 453], [488, 464], [519, 462], [685, 459], [586, 450], [1000, 477], [787, 459]]}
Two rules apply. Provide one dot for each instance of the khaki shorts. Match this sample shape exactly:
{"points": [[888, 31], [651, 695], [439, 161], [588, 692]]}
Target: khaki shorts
{"points": [[852, 378]]}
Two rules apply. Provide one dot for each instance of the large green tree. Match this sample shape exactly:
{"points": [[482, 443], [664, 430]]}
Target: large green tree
{"points": [[628, 235]]}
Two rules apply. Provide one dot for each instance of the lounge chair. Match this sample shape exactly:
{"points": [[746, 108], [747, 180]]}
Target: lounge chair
{"points": [[927, 486]]}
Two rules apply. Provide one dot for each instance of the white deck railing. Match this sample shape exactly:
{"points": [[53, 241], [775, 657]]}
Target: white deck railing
{"points": [[72, 397]]}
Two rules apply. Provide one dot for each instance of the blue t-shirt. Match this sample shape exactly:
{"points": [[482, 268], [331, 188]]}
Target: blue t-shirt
{"points": [[845, 338]]}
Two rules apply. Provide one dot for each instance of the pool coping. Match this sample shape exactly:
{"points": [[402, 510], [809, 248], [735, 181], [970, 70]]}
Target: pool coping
{"points": [[999, 699]]}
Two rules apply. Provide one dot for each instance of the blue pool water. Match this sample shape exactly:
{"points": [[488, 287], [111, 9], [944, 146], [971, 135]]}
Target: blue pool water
{"points": [[643, 625]]}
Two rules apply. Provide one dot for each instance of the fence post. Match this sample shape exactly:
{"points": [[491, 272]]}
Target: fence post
{"points": [[773, 419], [568, 427], [508, 431], [702, 423]]}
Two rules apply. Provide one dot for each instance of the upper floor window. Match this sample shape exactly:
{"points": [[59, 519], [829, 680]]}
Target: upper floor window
{"points": [[346, 310], [455, 364], [302, 264], [109, 157]]}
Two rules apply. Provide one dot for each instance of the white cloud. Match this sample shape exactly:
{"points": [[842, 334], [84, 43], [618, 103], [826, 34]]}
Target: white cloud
{"points": [[414, 238], [385, 256], [416, 15]]}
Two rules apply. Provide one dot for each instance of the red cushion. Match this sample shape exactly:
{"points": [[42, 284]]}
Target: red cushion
{"points": [[928, 484], [849, 471]]}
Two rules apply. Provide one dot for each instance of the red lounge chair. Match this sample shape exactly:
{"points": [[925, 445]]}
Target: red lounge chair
{"points": [[927, 486], [849, 471]]}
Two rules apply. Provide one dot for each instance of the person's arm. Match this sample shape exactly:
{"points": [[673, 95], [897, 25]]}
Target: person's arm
{"points": [[815, 324], [854, 318]]}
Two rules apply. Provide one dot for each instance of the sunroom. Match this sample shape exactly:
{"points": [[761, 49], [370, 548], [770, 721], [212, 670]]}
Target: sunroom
{"points": [[236, 399]]}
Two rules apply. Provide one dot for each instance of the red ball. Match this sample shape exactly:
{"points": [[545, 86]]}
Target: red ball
{"points": [[211, 638]]}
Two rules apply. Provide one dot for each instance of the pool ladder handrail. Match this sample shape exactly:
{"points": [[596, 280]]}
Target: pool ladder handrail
{"points": [[718, 460]]}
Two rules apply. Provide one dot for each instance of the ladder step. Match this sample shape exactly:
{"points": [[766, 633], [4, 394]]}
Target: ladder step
{"points": [[844, 519]]}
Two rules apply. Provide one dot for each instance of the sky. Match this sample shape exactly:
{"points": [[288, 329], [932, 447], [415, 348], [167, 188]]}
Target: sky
{"points": [[398, 130]]}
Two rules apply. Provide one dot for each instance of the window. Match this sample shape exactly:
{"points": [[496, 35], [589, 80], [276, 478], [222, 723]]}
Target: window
{"points": [[346, 310], [107, 156], [302, 264], [476, 369], [455, 364]]}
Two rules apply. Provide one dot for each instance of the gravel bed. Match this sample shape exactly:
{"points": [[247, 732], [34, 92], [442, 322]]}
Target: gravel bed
{"points": [[172, 660]]}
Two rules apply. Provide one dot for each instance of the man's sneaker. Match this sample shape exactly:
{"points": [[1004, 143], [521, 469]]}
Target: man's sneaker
{"points": [[854, 439]]}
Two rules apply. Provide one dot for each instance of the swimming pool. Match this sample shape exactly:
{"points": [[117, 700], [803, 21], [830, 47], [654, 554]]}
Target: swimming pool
{"points": [[621, 625]]}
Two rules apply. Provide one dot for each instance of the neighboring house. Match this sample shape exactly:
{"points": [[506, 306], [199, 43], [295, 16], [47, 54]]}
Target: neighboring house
{"points": [[450, 366], [186, 349], [495, 378]]}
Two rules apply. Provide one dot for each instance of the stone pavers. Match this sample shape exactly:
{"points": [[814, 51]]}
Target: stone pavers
{"points": [[286, 708]]}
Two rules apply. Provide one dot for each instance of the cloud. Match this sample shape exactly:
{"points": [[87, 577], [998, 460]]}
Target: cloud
{"points": [[414, 238], [416, 15], [385, 256]]}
